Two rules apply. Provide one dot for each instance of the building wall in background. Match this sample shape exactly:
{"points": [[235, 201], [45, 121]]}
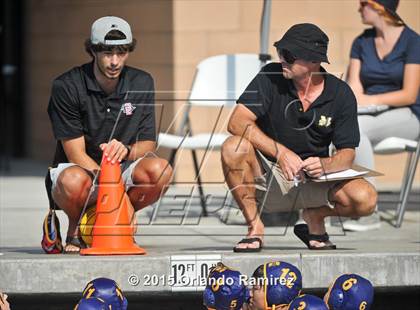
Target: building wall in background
{"points": [[173, 37], [208, 28]]}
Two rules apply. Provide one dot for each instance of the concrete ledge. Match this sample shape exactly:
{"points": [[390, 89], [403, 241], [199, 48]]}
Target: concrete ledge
{"points": [[383, 269], [389, 257], [65, 274]]}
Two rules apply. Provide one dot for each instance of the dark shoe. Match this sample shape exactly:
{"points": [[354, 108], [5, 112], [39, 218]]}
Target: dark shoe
{"points": [[302, 232], [249, 241]]}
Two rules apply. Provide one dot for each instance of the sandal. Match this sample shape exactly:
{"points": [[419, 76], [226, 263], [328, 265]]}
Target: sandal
{"points": [[249, 241], [302, 232], [74, 241]]}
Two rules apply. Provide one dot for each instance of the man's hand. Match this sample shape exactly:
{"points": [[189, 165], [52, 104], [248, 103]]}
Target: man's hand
{"points": [[313, 167], [290, 163], [114, 151]]}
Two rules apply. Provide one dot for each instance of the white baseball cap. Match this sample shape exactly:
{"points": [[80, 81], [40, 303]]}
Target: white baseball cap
{"points": [[102, 26]]}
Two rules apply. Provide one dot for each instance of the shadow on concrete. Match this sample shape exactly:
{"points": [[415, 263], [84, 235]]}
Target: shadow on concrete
{"points": [[266, 248], [23, 168], [12, 250]]}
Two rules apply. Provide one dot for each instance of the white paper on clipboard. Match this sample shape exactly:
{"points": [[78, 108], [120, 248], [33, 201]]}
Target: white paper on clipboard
{"points": [[345, 174]]}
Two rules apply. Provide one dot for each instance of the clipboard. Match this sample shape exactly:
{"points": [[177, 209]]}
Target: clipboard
{"points": [[370, 173]]}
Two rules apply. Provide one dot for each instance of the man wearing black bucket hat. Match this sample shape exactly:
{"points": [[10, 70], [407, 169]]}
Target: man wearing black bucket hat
{"points": [[282, 128]]}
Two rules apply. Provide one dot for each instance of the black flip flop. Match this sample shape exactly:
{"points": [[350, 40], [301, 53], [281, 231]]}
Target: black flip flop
{"points": [[75, 241], [302, 232], [249, 250]]}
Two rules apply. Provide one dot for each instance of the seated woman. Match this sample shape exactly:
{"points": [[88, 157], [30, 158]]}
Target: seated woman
{"points": [[384, 69]]}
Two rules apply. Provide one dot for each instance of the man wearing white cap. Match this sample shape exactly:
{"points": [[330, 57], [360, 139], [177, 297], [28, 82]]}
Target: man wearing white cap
{"points": [[104, 109]]}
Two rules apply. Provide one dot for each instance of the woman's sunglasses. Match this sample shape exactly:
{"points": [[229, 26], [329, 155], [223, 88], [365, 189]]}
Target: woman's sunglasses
{"points": [[287, 56]]}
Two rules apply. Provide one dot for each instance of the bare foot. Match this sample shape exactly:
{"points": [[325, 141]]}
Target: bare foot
{"points": [[71, 248], [256, 231], [73, 241]]}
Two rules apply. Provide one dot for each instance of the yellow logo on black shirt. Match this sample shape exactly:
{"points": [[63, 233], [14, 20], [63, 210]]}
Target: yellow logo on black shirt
{"points": [[324, 121]]}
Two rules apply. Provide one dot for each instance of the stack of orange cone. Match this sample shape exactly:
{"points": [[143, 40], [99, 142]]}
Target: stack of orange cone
{"points": [[113, 232]]}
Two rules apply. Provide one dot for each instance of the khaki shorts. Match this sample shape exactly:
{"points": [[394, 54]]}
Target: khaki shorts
{"points": [[274, 193]]}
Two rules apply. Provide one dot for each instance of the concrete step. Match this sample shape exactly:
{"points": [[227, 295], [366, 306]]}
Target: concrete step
{"points": [[389, 257]]}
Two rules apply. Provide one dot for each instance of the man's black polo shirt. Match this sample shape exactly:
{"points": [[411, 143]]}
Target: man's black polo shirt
{"points": [[332, 117], [79, 107]]}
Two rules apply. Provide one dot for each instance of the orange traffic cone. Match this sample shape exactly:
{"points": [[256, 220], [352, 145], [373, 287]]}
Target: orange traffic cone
{"points": [[113, 232]]}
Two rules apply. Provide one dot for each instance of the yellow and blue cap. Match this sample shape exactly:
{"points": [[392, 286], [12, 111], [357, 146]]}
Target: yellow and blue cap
{"points": [[225, 290], [282, 282], [307, 302], [92, 304], [107, 290], [350, 291]]}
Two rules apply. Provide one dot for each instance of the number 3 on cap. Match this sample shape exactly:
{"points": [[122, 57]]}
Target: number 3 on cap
{"points": [[302, 305], [349, 283], [363, 305]]}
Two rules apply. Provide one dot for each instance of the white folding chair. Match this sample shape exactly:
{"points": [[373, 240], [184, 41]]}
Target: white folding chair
{"points": [[395, 145], [218, 82]]}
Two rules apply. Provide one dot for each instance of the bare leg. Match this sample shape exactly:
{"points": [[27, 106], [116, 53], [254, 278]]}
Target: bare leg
{"points": [[70, 195], [152, 175], [353, 198], [240, 165]]}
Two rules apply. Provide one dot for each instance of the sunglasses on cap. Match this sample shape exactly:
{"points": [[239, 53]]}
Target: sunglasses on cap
{"points": [[287, 56]]}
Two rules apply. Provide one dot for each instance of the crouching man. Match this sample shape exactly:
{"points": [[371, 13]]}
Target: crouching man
{"points": [[282, 128], [104, 108]]}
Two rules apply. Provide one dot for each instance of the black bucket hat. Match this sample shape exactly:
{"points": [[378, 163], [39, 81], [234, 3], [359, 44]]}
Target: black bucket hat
{"points": [[391, 7], [305, 41]]}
